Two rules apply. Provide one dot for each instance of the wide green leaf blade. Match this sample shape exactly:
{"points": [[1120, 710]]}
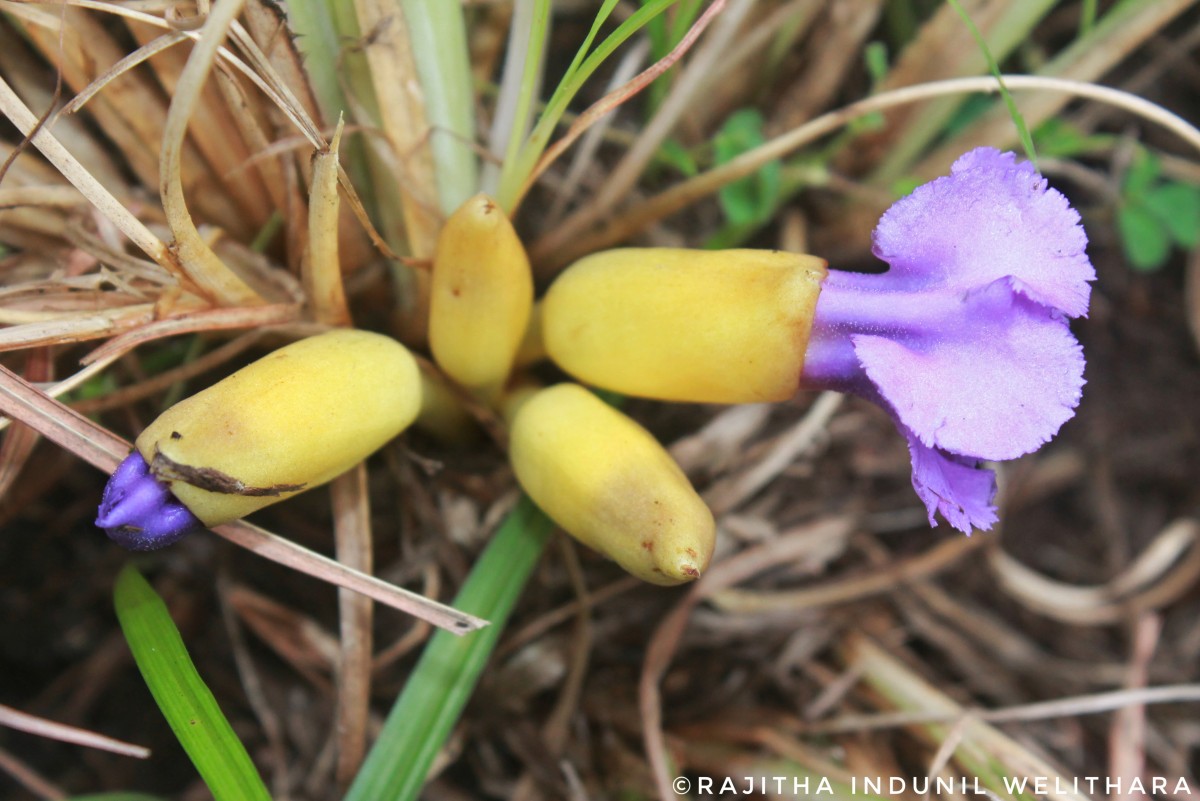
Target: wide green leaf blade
{"points": [[184, 698], [1145, 240], [1177, 206]]}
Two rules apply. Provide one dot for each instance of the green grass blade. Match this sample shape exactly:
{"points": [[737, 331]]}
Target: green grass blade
{"points": [[184, 698], [538, 14], [438, 33], [1087, 17], [519, 163], [1012, 25], [1019, 121], [331, 64], [318, 41], [1125, 26], [444, 678]]}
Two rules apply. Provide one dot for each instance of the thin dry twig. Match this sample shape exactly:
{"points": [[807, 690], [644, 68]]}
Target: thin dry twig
{"points": [[88, 186], [105, 450], [668, 634], [1127, 733], [252, 684], [352, 535], [1166, 569], [204, 321], [938, 558], [1073, 706], [572, 238], [211, 276], [726, 495], [29, 778], [20, 442], [322, 268], [980, 745], [23, 721]]}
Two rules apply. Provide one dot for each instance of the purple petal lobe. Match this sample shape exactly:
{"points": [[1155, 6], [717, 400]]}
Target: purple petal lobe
{"points": [[997, 393], [953, 486], [139, 513], [990, 218]]}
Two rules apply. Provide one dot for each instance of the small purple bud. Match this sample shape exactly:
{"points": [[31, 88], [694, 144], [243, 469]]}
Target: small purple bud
{"points": [[139, 513], [964, 340]]}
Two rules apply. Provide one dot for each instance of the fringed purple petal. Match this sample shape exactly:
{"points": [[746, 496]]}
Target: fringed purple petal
{"points": [[952, 485], [990, 218], [964, 340], [999, 385]]}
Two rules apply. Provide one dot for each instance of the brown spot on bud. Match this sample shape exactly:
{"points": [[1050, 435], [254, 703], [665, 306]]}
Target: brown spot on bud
{"points": [[206, 478]]}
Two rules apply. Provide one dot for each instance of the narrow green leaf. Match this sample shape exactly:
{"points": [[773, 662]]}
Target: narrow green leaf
{"points": [[438, 33], [1177, 206], [1145, 240], [1087, 17], [449, 668], [518, 167], [333, 67], [1018, 120], [531, 74], [184, 698], [317, 40]]}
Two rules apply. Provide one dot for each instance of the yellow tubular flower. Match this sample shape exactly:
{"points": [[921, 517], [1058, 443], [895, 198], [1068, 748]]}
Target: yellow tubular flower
{"points": [[685, 325], [290, 421], [607, 482], [481, 296]]}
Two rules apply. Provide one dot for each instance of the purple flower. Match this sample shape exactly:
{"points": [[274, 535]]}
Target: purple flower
{"points": [[964, 341], [138, 512]]}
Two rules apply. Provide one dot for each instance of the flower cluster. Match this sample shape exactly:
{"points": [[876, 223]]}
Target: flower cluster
{"points": [[964, 341]]}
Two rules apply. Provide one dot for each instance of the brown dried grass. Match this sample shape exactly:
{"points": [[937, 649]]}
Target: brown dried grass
{"points": [[835, 636]]}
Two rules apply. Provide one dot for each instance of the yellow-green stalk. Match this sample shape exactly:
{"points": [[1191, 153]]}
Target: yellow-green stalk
{"points": [[685, 325], [532, 349], [481, 296], [288, 422], [443, 415], [607, 482]]}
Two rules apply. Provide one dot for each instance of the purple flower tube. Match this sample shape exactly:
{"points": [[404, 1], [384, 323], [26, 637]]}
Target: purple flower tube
{"points": [[138, 512], [965, 339]]}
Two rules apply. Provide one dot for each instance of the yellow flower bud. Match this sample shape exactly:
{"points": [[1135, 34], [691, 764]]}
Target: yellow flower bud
{"points": [[610, 484], [481, 296], [290, 421], [685, 325]]}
